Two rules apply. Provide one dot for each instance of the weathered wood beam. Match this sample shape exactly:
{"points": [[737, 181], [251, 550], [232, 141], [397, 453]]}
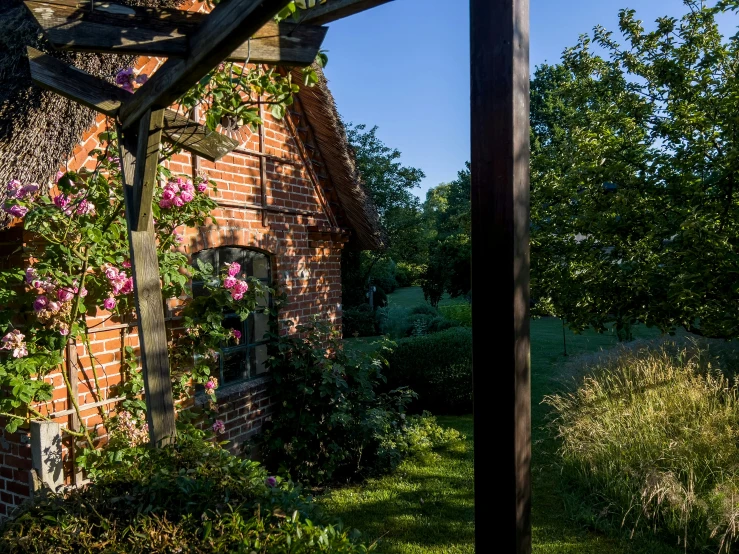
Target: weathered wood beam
{"points": [[118, 29], [145, 178], [337, 9], [499, 95], [196, 138], [75, 84], [148, 297], [106, 98], [229, 24]]}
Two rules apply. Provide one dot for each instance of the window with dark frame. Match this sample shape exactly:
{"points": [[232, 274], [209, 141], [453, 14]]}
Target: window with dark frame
{"points": [[246, 360]]}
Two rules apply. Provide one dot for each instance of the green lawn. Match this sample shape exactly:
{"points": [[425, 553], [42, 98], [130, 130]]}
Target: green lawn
{"points": [[409, 297], [391, 508]]}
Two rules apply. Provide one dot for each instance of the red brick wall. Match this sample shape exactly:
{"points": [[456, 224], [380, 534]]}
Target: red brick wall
{"points": [[309, 276]]}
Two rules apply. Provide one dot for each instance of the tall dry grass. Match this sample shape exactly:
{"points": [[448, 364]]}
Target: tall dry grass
{"points": [[650, 434]]}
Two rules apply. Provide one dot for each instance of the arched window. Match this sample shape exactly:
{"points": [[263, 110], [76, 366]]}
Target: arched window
{"points": [[247, 359]]}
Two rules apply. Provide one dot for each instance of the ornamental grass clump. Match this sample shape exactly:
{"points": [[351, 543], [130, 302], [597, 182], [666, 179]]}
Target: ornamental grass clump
{"points": [[650, 437]]}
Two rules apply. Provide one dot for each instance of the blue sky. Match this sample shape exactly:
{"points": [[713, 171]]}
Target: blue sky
{"points": [[404, 66]]}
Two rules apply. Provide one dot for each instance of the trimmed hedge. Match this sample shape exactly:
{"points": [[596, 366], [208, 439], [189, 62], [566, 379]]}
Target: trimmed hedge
{"points": [[438, 367]]}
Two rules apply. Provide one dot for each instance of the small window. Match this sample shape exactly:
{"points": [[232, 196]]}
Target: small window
{"points": [[247, 359]]}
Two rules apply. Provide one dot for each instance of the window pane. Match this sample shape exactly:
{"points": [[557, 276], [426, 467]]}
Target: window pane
{"points": [[235, 367], [261, 325], [260, 357], [261, 266]]}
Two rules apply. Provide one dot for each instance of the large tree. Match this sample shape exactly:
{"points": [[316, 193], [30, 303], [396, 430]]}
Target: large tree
{"points": [[391, 185], [634, 177]]}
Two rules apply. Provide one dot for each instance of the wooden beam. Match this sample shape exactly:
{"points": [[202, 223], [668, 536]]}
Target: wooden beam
{"points": [[196, 138], [106, 98], [118, 29], [75, 84], [149, 305], [500, 234], [229, 24], [337, 9], [147, 160]]}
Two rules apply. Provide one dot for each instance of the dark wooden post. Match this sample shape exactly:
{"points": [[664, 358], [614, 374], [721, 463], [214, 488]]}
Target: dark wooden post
{"points": [[139, 156], [499, 37]]}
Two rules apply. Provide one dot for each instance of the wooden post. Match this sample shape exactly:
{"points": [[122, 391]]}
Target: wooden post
{"points": [[262, 167], [73, 422], [138, 150], [499, 38]]}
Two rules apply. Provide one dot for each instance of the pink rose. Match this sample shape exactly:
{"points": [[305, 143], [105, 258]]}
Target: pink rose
{"points": [[54, 306], [233, 269], [64, 295], [63, 330], [168, 194], [186, 196], [229, 282], [127, 287], [187, 187], [126, 264], [40, 303], [30, 275], [17, 211], [219, 427], [109, 303], [236, 295], [61, 201], [14, 188], [111, 273], [241, 287], [165, 204], [29, 189], [178, 201], [59, 175], [202, 187]]}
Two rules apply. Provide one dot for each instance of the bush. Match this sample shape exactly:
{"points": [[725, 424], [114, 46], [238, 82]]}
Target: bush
{"points": [[359, 320], [650, 435], [424, 309], [331, 422], [382, 275], [409, 275], [191, 497], [461, 313], [438, 367], [392, 321], [396, 322]]}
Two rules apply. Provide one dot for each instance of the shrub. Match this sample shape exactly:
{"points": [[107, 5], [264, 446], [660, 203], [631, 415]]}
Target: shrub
{"points": [[359, 320], [392, 321], [382, 275], [438, 367], [650, 435], [424, 309], [461, 313], [379, 298], [191, 497], [331, 422], [409, 275]]}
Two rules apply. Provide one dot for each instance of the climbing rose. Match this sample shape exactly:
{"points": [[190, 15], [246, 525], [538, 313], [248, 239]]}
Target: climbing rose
{"points": [[202, 187], [14, 189], [111, 273], [270, 481], [211, 385], [17, 211], [40, 303], [63, 330], [186, 196], [229, 282], [219, 427], [64, 295], [237, 335], [178, 201], [233, 269], [109, 303], [54, 307], [15, 341], [29, 189], [126, 264], [31, 275]]}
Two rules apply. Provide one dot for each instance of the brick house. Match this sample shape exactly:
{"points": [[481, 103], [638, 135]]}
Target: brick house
{"points": [[289, 200]]}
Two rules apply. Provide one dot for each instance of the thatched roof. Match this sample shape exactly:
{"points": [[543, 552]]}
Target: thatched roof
{"points": [[39, 129], [323, 117]]}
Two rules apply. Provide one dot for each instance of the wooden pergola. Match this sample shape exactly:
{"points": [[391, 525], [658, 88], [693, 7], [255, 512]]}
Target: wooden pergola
{"points": [[238, 30]]}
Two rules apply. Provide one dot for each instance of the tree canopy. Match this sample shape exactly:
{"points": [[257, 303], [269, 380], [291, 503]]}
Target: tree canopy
{"points": [[634, 177]]}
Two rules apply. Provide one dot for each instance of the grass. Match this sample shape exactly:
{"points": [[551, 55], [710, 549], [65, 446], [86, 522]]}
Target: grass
{"points": [[391, 506], [408, 297]]}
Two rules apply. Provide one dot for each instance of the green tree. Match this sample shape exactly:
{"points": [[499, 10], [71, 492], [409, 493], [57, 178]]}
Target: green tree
{"points": [[447, 214], [634, 173], [390, 185]]}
